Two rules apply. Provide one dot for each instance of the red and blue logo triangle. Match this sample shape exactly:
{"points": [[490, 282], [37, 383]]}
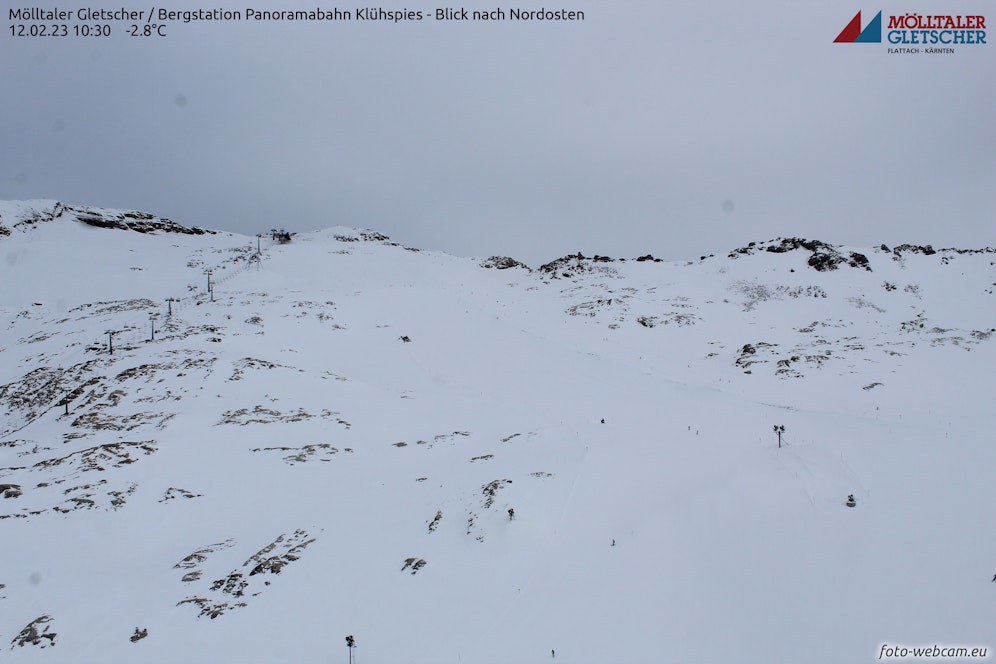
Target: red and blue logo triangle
{"points": [[853, 33]]}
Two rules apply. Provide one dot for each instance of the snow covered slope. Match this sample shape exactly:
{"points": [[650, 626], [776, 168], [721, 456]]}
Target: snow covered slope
{"points": [[331, 442]]}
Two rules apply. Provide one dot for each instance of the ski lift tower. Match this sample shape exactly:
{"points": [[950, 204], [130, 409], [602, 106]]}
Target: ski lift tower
{"points": [[351, 644]]}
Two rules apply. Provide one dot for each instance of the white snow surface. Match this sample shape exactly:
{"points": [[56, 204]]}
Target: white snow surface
{"points": [[277, 457]]}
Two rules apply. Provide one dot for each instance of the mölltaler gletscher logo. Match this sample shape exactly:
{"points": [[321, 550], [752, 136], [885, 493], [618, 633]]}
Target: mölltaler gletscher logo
{"points": [[918, 29]]}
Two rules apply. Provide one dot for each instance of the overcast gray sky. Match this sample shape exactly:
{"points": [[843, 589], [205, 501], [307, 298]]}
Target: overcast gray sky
{"points": [[679, 128]]}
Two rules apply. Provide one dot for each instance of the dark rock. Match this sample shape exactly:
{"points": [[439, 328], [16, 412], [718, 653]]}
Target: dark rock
{"points": [[31, 636], [272, 565], [824, 262], [926, 250], [502, 263], [859, 260], [141, 222], [10, 490]]}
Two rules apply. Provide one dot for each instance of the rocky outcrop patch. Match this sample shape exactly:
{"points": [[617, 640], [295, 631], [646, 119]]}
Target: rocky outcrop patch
{"points": [[570, 267], [236, 588], [294, 455], [173, 493], [824, 257], [502, 263], [37, 633], [414, 564], [130, 220]]}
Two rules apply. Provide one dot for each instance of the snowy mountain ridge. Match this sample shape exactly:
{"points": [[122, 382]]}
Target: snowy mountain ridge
{"points": [[26, 215], [469, 460]]}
